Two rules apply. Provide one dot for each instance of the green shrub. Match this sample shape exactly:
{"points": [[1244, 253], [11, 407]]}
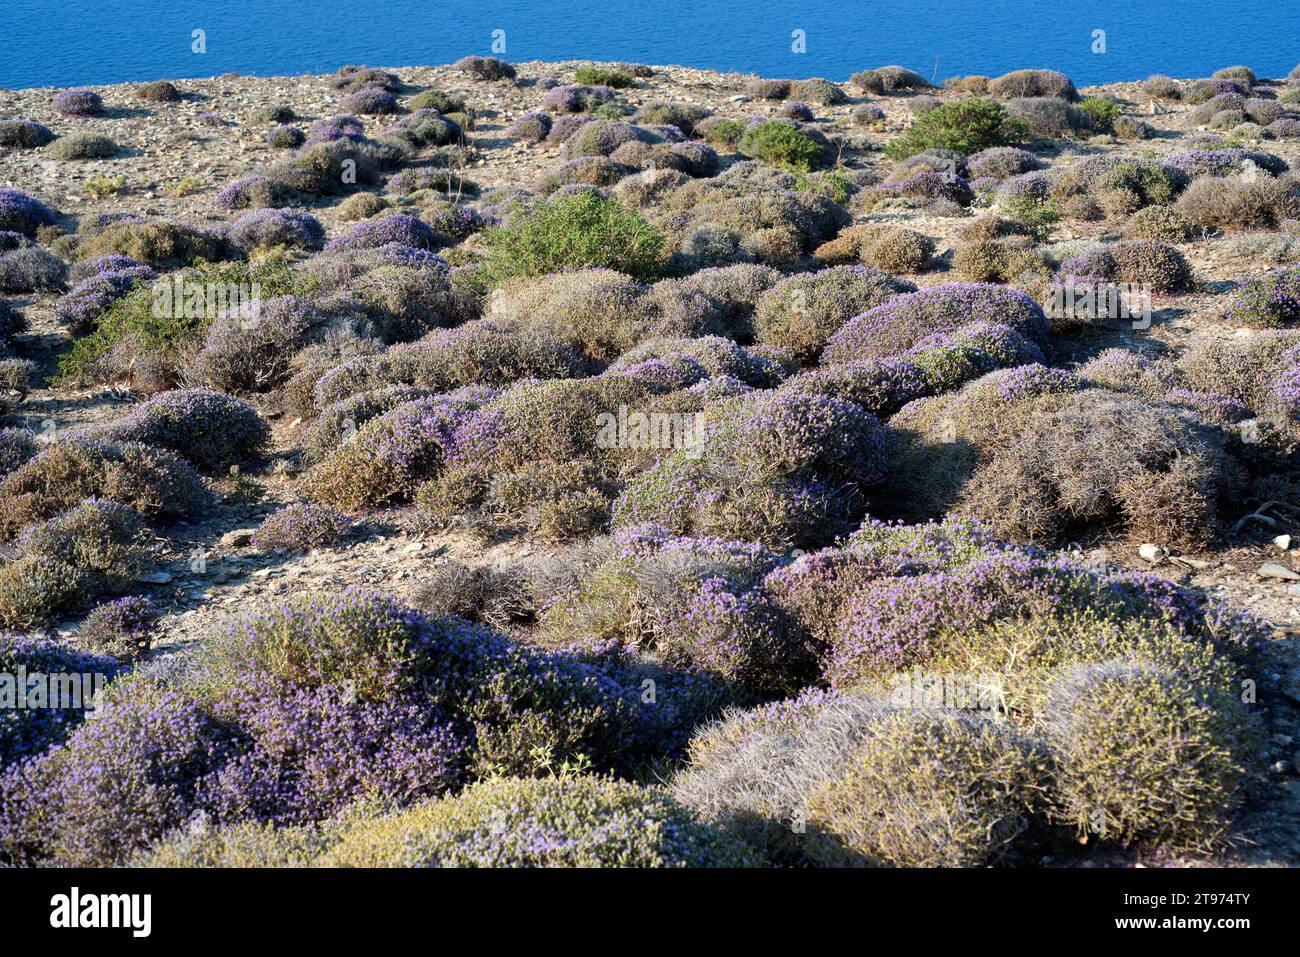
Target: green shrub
{"points": [[929, 790], [602, 76], [574, 232], [781, 144], [1101, 111], [1144, 753], [965, 126]]}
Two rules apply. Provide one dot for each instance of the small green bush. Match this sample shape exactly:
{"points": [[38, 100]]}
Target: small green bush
{"points": [[781, 144], [965, 126], [603, 76], [574, 232]]}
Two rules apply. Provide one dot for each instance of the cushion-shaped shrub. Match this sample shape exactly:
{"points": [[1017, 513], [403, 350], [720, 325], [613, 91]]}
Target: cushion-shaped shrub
{"points": [[929, 790], [83, 145], [1144, 753], [156, 482], [213, 431], [123, 628], [398, 228], [802, 312], [301, 527], [576, 821], [158, 91], [248, 349], [904, 320], [31, 269], [890, 79], [485, 68], [78, 102], [62, 564], [21, 213], [369, 99], [782, 144], [574, 232], [277, 227], [25, 134], [1033, 83], [156, 243]]}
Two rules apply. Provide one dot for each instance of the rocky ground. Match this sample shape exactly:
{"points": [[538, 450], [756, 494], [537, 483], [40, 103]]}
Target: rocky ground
{"points": [[208, 570]]}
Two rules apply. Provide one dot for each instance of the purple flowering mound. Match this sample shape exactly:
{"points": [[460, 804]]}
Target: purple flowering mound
{"points": [[923, 625], [532, 126], [904, 320], [213, 431], [277, 227], [78, 102], [302, 527], [1270, 302], [123, 628], [20, 213], [399, 229], [294, 711], [784, 469], [30, 728], [371, 100], [248, 349], [802, 312]]}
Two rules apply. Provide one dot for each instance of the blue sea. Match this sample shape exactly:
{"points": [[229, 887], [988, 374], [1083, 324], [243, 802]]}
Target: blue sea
{"points": [[69, 42]]}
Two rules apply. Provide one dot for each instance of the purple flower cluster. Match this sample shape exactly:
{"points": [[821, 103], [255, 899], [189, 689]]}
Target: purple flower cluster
{"points": [[82, 305], [336, 128], [904, 320], [370, 100], [22, 214], [399, 229], [531, 126], [576, 98], [78, 102], [277, 227], [301, 527], [213, 431], [930, 185], [1270, 302], [1224, 162], [25, 732], [123, 628]]}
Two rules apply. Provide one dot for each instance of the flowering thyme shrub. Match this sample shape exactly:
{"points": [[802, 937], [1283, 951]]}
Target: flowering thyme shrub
{"points": [[399, 229], [302, 527], [390, 455], [60, 565], [213, 431], [24, 134], [277, 227], [577, 821], [78, 102], [1272, 301], [85, 302], [21, 214], [531, 126], [123, 629], [904, 320], [153, 481], [27, 731], [369, 99], [802, 312], [445, 359], [777, 468], [248, 348]]}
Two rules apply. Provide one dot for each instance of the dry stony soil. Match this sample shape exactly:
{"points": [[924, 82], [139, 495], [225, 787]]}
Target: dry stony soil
{"points": [[164, 143]]}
